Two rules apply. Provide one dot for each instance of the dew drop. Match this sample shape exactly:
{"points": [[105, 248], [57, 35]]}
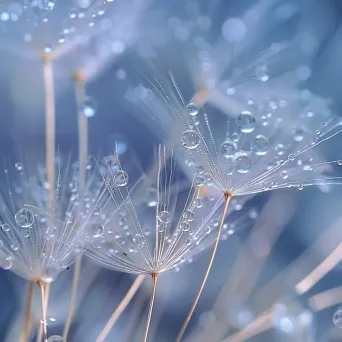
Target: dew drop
{"points": [[339, 162], [189, 215], [337, 318], [121, 178], [6, 263], [291, 157], [199, 203], [185, 226], [96, 211], [242, 162], [191, 109], [24, 218], [164, 217], [18, 166], [246, 122], [200, 180], [284, 174], [96, 230], [260, 145], [228, 148], [190, 139], [89, 107], [298, 134], [5, 227]]}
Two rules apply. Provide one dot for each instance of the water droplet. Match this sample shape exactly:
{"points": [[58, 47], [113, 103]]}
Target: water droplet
{"points": [[121, 178], [24, 218], [189, 215], [300, 186], [337, 318], [190, 139], [260, 145], [242, 162], [284, 174], [199, 203], [262, 73], [96, 211], [55, 338], [200, 180], [6, 263], [228, 148], [89, 107], [339, 162], [96, 230], [291, 157], [185, 226], [298, 134], [192, 109], [246, 122], [188, 242], [164, 217], [5, 227], [18, 166]]}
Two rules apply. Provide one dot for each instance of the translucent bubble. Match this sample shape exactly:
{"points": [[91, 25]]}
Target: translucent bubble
{"points": [[284, 174], [96, 211], [89, 107], [337, 318], [55, 338], [164, 217], [339, 162], [96, 230], [298, 134], [6, 263], [260, 145], [190, 139], [18, 166], [24, 218], [121, 178], [5, 227], [246, 122], [242, 162], [200, 180], [228, 148], [185, 226], [189, 215], [192, 109]]}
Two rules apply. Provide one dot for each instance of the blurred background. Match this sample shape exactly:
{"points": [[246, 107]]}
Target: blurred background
{"points": [[258, 268]]}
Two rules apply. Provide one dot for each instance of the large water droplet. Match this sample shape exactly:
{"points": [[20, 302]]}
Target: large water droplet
{"points": [[246, 122], [96, 229], [242, 162], [337, 318], [260, 145], [192, 109], [89, 107], [24, 218], [190, 139], [164, 217], [228, 148], [6, 263], [121, 178]]}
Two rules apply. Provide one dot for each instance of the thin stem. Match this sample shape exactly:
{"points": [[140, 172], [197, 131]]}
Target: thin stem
{"points": [[227, 196], [28, 312], [77, 272], [155, 278], [50, 127], [80, 78], [121, 307], [44, 308]]}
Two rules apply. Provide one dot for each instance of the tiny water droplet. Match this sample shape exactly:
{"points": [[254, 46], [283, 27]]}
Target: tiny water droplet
{"points": [[164, 217], [120, 178], [89, 107], [192, 109], [190, 139]]}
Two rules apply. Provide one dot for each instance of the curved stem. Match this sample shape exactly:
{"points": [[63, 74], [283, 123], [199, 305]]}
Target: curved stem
{"points": [[44, 308], [120, 308], [227, 197], [77, 272], [155, 278], [28, 312]]}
